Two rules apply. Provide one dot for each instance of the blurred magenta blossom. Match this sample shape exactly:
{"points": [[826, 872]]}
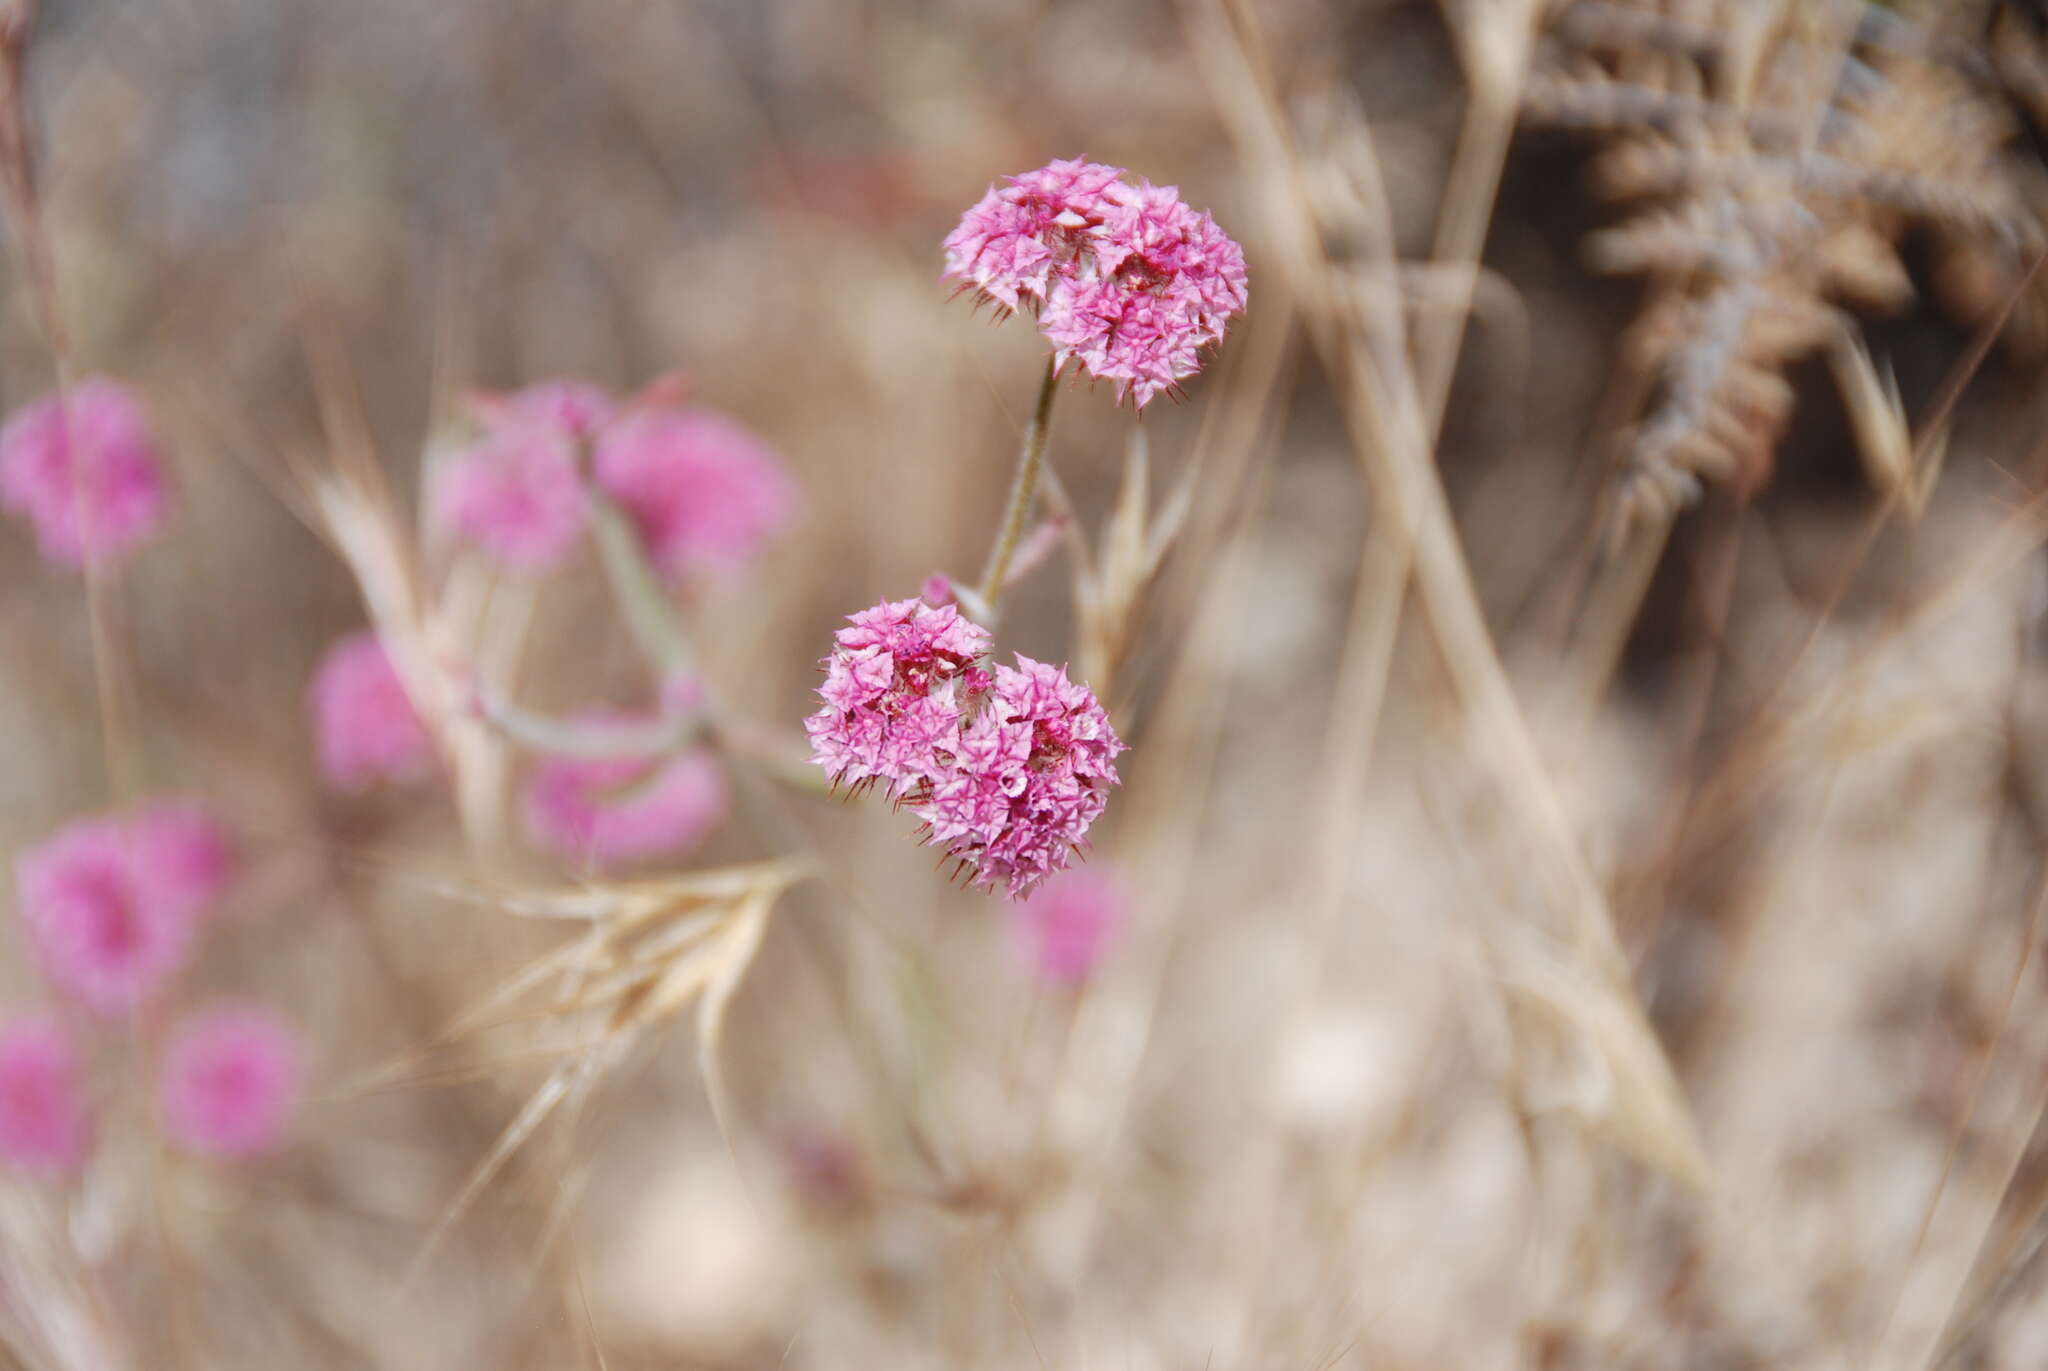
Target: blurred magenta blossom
{"points": [[112, 902], [228, 1080], [1068, 921], [614, 811], [364, 724], [702, 491], [44, 1126], [86, 472]]}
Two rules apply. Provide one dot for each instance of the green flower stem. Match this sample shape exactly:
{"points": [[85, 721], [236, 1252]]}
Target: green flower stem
{"points": [[591, 741], [650, 614], [1023, 491]]}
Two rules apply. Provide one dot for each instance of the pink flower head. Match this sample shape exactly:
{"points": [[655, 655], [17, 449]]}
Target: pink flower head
{"points": [[1128, 280], [703, 491], [1067, 921], [896, 688], [364, 723], [44, 1127], [614, 811], [575, 409], [1015, 239], [1031, 773], [228, 1080], [186, 853], [85, 471], [111, 903], [515, 493]]}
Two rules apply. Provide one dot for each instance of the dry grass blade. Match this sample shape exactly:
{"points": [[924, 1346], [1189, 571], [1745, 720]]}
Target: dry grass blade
{"points": [[653, 949], [1884, 436], [1386, 411]]}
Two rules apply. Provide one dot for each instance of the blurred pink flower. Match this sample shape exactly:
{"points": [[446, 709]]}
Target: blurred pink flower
{"points": [[185, 851], [1067, 922], [111, 902], [896, 688], [86, 472], [614, 811], [364, 723], [575, 409], [1031, 773], [1128, 280], [703, 491], [229, 1079], [44, 1127], [515, 493]]}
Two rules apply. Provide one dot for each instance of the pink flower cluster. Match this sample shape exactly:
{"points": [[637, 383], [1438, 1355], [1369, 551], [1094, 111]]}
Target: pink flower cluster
{"points": [[113, 905], [45, 1128], [1069, 920], [228, 1079], [1127, 279], [1007, 770], [85, 471], [614, 811], [702, 491], [364, 725], [896, 688]]}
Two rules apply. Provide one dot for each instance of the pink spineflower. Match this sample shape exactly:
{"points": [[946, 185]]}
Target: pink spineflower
{"points": [[86, 472], [702, 490], [1127, 280], [228, 1081], [614, 811], [1031, 773], [515, 493], [896, 689], [1067, 922], [111, 902], [44, 1127], [1016, 238], [364, 724]]}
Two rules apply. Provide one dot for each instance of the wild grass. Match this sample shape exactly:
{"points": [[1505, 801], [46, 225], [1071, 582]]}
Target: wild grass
{"points": [[1585, 813]]}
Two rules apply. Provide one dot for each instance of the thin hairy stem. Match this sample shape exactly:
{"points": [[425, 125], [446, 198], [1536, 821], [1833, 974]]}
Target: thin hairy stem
{"points": [[1023, 490]]}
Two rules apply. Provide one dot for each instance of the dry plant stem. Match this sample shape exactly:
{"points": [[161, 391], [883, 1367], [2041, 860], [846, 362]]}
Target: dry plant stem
{"points": [[1494, 49], [1387, 557], [1926, 1354], [1023, 491], [24, 203], [1111, 1032], [1713, 803], [1383, 408]]}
